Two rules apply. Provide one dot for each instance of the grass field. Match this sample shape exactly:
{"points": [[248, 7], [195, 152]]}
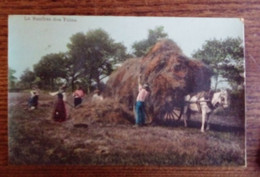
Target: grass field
{"points": [[34, 138]]}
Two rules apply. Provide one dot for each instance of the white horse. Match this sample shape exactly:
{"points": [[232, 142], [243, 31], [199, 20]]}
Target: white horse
{"points": [[204, 103]]}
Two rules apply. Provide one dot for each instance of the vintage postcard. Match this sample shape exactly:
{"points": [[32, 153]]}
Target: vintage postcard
{"points": [[104, 90]]}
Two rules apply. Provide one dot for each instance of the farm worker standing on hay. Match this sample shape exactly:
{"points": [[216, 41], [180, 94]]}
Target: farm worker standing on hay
{"points": [[144, 92], [78, 95], [33, 101], [61, 110]]}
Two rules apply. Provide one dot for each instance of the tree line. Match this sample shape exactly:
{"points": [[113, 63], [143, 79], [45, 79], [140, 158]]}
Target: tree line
{"points": [[93, 56]]}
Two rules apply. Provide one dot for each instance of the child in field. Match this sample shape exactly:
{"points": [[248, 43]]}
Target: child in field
{"points": [[78, 95], [33, 101]]}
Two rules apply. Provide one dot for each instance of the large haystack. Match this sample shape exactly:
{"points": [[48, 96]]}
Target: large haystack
{"points": [[169, 73]]}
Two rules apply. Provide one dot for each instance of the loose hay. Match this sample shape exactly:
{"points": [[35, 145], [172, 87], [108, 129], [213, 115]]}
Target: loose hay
{"points": [[103, 112], [169, 73]]}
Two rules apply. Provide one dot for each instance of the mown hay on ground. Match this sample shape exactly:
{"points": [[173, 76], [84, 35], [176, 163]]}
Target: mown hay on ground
{"points": [[104, 112]]}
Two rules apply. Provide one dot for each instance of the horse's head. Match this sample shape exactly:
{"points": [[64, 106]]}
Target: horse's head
{"points": [[220, 98]]}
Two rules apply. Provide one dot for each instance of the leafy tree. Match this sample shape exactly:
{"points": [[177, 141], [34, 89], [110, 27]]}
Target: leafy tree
{"points": [[89, 59], [91, 56], [27, 78], [120, 53], [76, 57], [226, 59], [11, 78], [101, 50], [50, 68], [141, 47]]}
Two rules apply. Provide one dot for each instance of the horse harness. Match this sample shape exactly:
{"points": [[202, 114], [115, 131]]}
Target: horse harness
{"points": [[207, 95]]}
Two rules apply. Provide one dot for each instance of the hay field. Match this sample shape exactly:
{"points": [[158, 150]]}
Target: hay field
{"points": [[34, 138]]}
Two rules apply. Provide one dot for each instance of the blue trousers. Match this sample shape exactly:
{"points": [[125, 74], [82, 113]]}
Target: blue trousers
{"points": [[140, 113]]}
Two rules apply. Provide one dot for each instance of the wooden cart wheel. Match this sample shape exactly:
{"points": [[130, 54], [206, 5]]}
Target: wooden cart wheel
{"points": [[171, 112]]}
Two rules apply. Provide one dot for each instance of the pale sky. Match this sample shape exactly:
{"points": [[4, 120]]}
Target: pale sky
{"points": [[30, 37]]}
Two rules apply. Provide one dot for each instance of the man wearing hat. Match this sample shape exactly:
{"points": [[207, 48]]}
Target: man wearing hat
{"points": [[144, 92]]}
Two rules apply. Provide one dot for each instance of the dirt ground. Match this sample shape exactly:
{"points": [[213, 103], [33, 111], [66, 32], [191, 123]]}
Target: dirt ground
{"points": [[34, 138]]}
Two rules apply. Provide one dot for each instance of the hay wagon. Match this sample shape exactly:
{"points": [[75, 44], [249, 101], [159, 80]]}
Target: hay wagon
{"points": [[170, 74]]}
